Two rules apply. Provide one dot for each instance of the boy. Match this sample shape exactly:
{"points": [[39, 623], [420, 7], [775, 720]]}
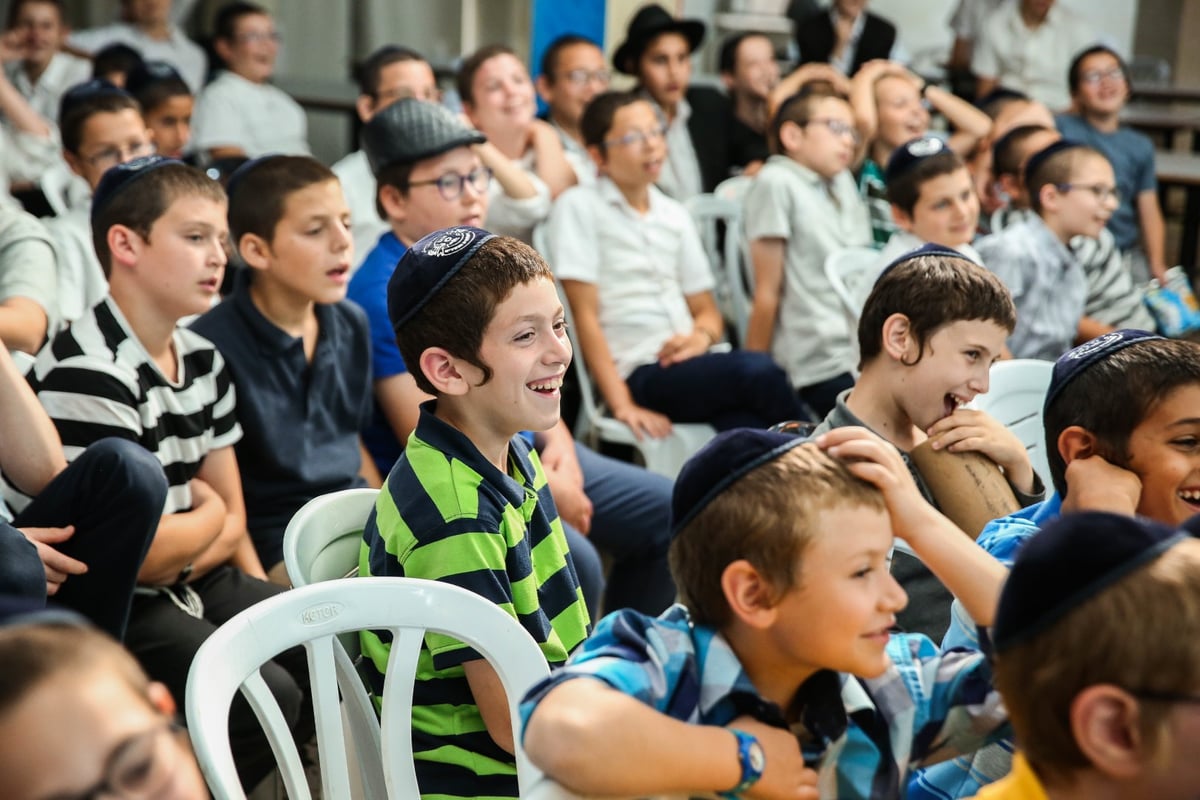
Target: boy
{"points": [[749, 73], [803, 206], [1102, 708], [931, 329], [385, 76], [1073, 193], [780, 551], [573, 72], [1099, 84], [102, 126], [1130, 454], [299, 355], [467, 502], [126, 369], [79, 718], [640, 289], [43, 72], [417, 147], [240, 113], [166, 104]]}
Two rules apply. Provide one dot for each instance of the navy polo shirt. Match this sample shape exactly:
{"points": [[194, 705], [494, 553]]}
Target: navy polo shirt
{"points": [[301, 421]]}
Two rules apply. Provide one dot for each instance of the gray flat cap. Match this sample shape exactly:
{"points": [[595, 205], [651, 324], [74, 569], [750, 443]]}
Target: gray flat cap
{"points": [[410, 130]]}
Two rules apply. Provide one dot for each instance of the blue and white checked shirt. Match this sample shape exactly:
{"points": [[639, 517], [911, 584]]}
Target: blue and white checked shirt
{"points": [[862, 735]]}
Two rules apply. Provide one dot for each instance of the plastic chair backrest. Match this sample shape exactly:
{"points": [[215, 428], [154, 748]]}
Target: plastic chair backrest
{"points": [[1015, 396], [726, 256], [846, 270], [322, 539], [313, 616]]}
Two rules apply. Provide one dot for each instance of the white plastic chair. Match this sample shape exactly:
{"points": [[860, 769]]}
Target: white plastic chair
{"points": [[846, 271], [1016, 393], [313, 616], [322, 539], [728, 258], [548, 789]]}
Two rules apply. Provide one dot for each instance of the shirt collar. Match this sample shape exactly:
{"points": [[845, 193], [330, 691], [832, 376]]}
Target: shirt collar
{"points": [[806, 174], [612, 195], [1047, 242], [271, 339]]}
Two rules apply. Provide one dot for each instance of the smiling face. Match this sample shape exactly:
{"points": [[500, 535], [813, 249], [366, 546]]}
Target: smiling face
{"points": [[1080, 210], [636, 162], [181, 262], [253, 49], [40, 32], [946, 211], [502, 98], [845, 600], [1102, 85], [310, 253], [902, 115], [954, 368], [1164, 452], [580, 73], [665, 68], [755, 70]]}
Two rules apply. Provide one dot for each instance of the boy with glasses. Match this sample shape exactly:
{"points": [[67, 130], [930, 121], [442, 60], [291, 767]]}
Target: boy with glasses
{"points": [[803, 206], [1099, 90], [573, 72]]}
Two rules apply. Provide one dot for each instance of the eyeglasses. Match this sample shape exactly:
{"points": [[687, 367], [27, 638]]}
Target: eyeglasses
{"points": [[582, 77], [254, 37], [111, 156], [452, 184], [638, 137], [140, 766], [1100, 191], [1094, 76], [835, 126]]}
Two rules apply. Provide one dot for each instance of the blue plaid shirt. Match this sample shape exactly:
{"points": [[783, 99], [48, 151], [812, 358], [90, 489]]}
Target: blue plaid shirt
{"points": [[862, 735]]}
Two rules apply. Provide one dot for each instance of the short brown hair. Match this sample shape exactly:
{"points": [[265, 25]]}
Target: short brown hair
{"points": [[260, 193], [139, 207], [1112, 396], [1106, 640], [597, 120], [458, 315], [932, 291], [1055, 170], [397, 174], [769, 518], [799, 109], [465, 79], [78, 112]]}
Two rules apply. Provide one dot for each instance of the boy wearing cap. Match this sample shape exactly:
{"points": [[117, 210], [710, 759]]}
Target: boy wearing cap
{"points": [[477, 317], [299, 354], [1101, 710], [802, 207], [431, 177], [930, 331], [1073, 193], [1132, 453], [782, 657], [127, 369]]}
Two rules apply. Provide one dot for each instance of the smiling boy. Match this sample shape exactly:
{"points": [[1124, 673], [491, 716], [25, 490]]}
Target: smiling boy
{"points": [[43, 72]]}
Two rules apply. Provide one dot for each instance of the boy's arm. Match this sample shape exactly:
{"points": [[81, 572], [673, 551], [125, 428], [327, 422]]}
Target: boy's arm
{"points": [[23, 324], [596, 740], [488, 693], [549, 158], [584, 301], [219, 471], [707, 329], [31, 452], [367, 468], [971, 575], [970, 124], [400, 398], [1154, 233], [767, 256], [512, 179]]}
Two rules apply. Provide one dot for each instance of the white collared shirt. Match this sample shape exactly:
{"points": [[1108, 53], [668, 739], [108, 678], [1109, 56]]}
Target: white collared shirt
{"points": [[44, 96], [512, 217], [1034, 61], [644, 266], [177, 49], [577, 157], [358, 184], [257, 117]]}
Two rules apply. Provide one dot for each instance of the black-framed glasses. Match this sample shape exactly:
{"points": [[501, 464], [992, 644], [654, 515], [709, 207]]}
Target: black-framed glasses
{"points": [[582, 77], [1099, 190], [638, 137], [1094, 76], [452, 184], [111, 156], [836, 126], [256, 37], [140, 766]]}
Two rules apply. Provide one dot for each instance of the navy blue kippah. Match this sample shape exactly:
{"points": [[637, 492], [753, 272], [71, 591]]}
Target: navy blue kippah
{"points": [[410, 130], [96, 87], [927, 249], [1068, 562], [1073, 362], [244, 169], [1037, 159], [725, 458], [909, 154], [149, 73], [426, 267], [120, 177]]}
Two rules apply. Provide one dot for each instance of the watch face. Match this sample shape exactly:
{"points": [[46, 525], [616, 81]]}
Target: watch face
{"points": [[758, 759]]}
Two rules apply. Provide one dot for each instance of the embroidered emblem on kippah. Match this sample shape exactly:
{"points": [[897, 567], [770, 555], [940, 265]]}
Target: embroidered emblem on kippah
{"points": [[1095, 345], [450, 242], [925, 147]]}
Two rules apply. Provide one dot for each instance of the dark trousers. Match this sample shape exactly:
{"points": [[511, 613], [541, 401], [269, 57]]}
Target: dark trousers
{"points": [[739, 389], [165, 640], [113, 494], [822, 397]]}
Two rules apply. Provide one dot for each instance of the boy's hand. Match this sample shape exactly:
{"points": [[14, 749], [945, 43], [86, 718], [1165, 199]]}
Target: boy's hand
{"points": [[58, 566], [1094, 484], [968, 430], [643, 422], [683, 346], [785, 775], [574, 506]]}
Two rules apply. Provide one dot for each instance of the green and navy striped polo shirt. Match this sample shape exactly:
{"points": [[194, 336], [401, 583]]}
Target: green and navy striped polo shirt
{"points": [[446, 513]]}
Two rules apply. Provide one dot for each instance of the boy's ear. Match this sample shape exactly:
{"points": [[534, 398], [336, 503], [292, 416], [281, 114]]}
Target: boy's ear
{"points": [[72, 162], [903, 219], [254, 250], [597, 154], [1104, 723], [1049, 195], [750, 596], [442, 370], [1076, 442], [124, 243], [897, 338], [365, 107], [223, 49], [790, 136], [543, 88]]}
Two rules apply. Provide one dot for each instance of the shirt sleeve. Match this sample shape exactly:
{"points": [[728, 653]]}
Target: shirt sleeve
{"points": [[1004, 262], [216, 121], [985, 61], [87, 402], [1145, 179], [508, 213], [28, 269], [768, 208], [368, 289], [573, 242], [227, 431]]}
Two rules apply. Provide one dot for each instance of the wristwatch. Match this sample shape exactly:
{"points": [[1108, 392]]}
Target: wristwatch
{"points": [[752, 760]]}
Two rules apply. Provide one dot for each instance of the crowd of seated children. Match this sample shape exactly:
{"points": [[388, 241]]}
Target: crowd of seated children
{"points": [[298, 353], [1133, 453], [782, 648], [1099, 81], [467, 502], [931, 329], [803, 206], [1072, 193], [573, 72], [241, 113], [640, 289], [604, 503]]}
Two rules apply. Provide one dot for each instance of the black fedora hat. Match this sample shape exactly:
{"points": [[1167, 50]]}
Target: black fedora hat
{"points": [[648, 22]]}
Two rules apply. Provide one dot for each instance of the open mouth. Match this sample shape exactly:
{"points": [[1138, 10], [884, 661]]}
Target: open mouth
{"points": [[339, 272], [547, 388], [1191, 497], [950, 404], [211, 284]]}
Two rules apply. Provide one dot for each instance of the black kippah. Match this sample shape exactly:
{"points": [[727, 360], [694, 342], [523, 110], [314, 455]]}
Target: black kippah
{"points": [[1071, 364], [426, 267], [120, 177], [909, 154]]}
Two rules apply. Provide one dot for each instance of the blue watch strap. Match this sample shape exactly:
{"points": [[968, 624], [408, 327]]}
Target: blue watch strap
{"points": [[752, 761]]}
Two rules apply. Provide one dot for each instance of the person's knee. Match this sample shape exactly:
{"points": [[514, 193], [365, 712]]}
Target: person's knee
{"points": [[21, 571], [129, 468]]}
